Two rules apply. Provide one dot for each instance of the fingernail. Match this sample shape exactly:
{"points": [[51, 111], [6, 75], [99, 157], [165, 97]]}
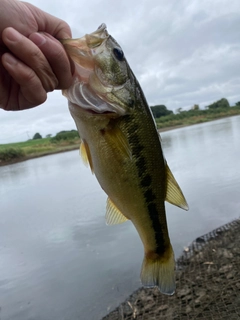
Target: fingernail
{"points": [[9, 59], [13, 35], [38, 39]]}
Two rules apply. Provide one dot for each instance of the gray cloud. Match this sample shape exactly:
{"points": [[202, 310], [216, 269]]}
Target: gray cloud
{"points": [[182, 52]]}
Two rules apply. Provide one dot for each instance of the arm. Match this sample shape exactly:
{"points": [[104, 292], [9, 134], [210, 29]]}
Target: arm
{"points": [[32, 61]]}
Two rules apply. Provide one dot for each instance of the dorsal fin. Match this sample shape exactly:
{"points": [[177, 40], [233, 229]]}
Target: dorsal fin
{"points": [[86, 155], [113, 215], [174, 194]]}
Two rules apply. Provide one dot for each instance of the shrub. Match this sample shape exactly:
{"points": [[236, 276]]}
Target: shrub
{"points": [[37, 136], [222, 103], [65, 135], [11, 154], [160, 111]]}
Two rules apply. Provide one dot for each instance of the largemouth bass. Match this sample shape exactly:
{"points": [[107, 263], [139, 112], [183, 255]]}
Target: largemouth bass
{"points": [[121, 144]]}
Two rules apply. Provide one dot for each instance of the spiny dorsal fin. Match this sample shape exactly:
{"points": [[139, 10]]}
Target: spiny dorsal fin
{"points": [[86, 155], [115, 137], [174, 194], [113, 215]]}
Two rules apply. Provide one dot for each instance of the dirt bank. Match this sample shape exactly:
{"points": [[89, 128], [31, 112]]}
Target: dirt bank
{"points": [[207, 279]]}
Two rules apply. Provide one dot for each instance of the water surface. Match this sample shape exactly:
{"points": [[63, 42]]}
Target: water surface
{"points": [[58, 259]]}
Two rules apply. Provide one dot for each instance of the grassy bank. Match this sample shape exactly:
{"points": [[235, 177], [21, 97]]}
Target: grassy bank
{"points": [[65, 141], [20, 151], [186, 118]]}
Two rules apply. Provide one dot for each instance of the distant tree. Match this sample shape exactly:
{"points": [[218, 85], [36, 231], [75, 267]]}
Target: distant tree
{"points": [[222, 103], [160, 111], [238, 104], [65, 135], [37, 136], [48, 135], [195, 107], [179, 110]]}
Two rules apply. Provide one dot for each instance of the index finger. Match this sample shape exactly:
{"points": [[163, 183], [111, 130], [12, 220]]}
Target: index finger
{"points": [[57, 58], [26, 51]]}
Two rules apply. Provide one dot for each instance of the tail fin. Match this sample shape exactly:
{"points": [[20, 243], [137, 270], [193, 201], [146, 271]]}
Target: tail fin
{"points": [[158, 271]]}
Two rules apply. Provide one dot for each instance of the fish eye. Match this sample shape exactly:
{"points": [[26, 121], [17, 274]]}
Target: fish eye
{"points": [[118, 53]]}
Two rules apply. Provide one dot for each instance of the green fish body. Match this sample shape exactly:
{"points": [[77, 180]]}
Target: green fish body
{"points": [[121, 144]]}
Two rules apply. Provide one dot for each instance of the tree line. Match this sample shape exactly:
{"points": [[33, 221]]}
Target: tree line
{"points": [[158, 111], [161, 110], [60, 136]]}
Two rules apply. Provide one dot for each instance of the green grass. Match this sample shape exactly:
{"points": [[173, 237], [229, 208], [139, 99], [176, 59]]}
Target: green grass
{"points": [[28, 143], [14, 152], [10, 154]]}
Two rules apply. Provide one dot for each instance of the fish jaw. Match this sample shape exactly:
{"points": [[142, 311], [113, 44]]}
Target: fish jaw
{"points": [[80, 95], [81, 51]]}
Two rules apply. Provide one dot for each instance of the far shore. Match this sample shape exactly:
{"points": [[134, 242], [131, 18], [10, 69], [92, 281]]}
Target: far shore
{"points": [[66, 149], [33, 156], [75, 147], [175, 127], [195, 123]]}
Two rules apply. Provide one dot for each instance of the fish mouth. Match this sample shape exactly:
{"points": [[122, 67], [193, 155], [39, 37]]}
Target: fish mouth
{"points": [[96, 38], [81, 50]]}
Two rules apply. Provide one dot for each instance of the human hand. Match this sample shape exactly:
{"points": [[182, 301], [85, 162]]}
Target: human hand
{"points": [[32, 63]]}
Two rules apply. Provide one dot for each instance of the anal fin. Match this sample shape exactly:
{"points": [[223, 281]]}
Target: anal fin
{"points": [[113, 215], [174, 194]]}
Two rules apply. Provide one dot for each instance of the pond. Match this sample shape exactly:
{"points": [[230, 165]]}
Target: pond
{"points": [[59, 260]]}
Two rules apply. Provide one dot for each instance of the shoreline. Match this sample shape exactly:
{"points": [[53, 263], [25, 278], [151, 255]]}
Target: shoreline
{"points": [[6, 163], [193, 124], [74, 147], [207, 281], [177, 127]]}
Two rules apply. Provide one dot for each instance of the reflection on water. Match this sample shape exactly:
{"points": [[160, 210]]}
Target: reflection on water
{"points": [[58, 258]]}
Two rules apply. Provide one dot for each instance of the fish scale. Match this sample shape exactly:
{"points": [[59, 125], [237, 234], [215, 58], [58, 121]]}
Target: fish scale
{"points": [[146, 181]]}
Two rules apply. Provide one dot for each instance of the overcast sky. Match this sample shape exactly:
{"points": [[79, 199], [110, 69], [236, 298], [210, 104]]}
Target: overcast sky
{"points": [[182, 52]]}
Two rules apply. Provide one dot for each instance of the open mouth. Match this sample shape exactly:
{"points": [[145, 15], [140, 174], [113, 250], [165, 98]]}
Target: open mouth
{"points": [[81, 50], [99, 113], [82, 93]]}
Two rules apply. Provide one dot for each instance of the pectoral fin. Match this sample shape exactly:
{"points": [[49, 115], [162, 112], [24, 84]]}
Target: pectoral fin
{"points": [[113, 215], [174, 194], [118, 141], [86, 155]]}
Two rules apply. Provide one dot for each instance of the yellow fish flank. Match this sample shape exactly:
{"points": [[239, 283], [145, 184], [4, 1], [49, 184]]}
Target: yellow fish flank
{"points": [[121, 144]]}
